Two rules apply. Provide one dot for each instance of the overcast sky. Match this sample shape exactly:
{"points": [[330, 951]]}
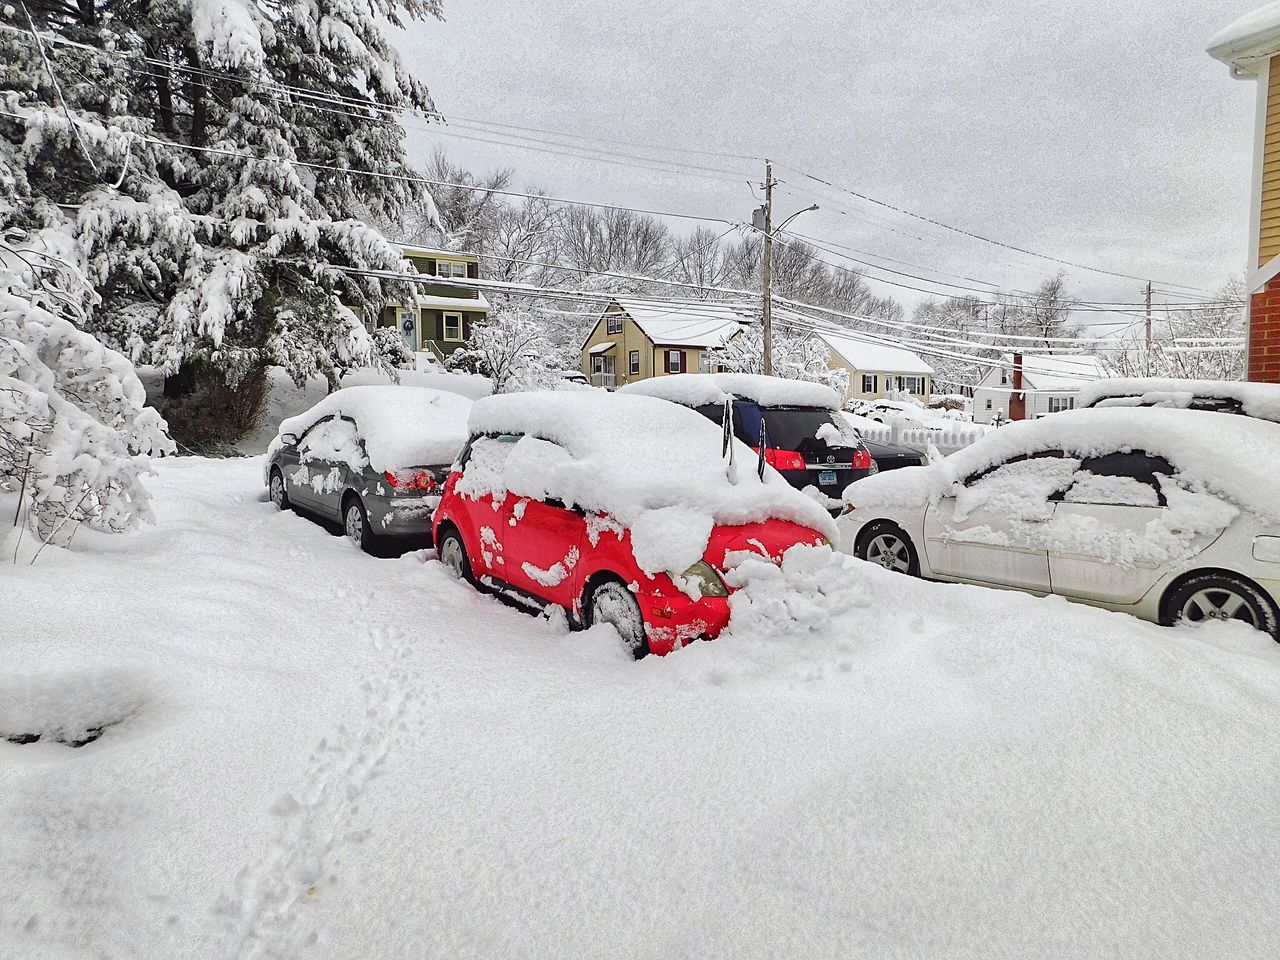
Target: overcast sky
{"points": [[1091, 131]]}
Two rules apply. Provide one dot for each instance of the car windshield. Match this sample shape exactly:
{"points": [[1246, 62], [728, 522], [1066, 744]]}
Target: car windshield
{"points": [[793, 428]]}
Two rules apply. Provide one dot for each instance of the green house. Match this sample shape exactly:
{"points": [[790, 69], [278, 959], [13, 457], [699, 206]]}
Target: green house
{"points": [[440, 320]]}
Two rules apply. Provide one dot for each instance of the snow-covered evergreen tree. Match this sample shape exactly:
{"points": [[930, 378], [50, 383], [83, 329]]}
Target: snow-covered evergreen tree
{"points": [[74, 433], [206, 158]]}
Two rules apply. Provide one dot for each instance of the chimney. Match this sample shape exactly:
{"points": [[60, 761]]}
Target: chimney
{"points": [[1017, 399]]}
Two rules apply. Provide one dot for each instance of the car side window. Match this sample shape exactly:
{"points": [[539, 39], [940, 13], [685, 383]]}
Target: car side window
{"points": [[484, 467], [1121, 479], [332, 440], [1022, 488]]}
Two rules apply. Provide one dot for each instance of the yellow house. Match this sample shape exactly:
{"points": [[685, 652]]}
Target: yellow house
{"points": [[638, 339], [1251, 48], [440, 319], [876, 369]]}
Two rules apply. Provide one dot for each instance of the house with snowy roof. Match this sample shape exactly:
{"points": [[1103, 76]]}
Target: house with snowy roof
{"points": [[636, 339], [1033, 385], [877, 366], [1250, 47], [440, 319]]}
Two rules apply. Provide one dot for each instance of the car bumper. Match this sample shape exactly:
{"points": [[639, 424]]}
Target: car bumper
{"points": [[672, 622], [401, 516]]}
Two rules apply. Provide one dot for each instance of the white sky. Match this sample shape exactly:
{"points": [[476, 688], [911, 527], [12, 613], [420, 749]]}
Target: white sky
{"points": [[1094, 132]]}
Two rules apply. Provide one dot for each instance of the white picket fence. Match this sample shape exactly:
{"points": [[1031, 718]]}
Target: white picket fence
{"points": [[903, 432]]}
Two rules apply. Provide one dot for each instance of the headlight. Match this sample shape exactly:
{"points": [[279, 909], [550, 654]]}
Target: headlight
{"points": [[707, 580]]}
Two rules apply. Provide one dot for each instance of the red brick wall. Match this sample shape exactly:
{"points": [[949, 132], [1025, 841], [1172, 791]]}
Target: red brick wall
{"points": [[1264, 334]]}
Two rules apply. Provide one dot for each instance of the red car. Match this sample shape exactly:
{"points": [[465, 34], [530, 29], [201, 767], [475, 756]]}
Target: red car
{"points": [[560, 499]]}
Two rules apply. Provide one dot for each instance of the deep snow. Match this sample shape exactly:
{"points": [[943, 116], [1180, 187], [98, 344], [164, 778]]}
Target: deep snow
{"points": [[321, 754]]}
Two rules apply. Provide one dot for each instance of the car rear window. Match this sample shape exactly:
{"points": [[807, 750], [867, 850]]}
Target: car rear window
{"points": [[790, 428]]}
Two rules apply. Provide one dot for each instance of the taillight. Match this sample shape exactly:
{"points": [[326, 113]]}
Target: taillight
{"points": [[782, 459], [412, 480], [862, 459]]}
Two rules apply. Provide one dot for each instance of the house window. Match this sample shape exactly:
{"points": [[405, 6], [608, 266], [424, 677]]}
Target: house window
{"points": [[868, 383], [633, 362], [1058, 404], [613, 323], [988, 403], [453, 327], [451, 268], [675, 361], [911, 384], [1004, 377]]}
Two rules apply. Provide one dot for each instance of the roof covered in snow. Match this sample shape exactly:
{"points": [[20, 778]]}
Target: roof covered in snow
{"points": [[693, 323], [645, 462], [1237, 458], [1255, 399], [864, 354], [699, 389], [400, 426], [478, 302], [1249, 40], [1061, 372]]}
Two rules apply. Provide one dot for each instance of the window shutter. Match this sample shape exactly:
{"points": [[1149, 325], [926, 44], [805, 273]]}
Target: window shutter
{"points": [[666, 361], [473, 271]]}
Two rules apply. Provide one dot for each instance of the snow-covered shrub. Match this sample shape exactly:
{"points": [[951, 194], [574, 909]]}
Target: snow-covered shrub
{"points": [[468, 360], [74, 433], [390, 350]]}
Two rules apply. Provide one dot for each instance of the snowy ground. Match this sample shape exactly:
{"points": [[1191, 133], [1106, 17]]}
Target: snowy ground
{"points": [[311, 752]]}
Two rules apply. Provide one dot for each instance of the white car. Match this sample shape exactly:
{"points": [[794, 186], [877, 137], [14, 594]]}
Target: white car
{"points": [[1168, 514]]}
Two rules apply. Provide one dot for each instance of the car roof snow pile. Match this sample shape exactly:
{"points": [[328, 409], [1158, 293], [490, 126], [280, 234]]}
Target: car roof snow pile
{"points": [[701, 389], [1261, 400], [654, 467], [400, 426], [1237, 458]]}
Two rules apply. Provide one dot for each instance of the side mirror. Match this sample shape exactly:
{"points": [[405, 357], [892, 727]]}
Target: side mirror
{"points": [[289, 439]]}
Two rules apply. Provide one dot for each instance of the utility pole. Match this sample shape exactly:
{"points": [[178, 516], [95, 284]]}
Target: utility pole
{"points": [[1147, 363], [767, 268]]}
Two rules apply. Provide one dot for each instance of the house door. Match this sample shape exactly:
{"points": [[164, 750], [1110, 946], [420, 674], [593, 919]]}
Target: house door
{"points": [[409, 329], [602, 371]]}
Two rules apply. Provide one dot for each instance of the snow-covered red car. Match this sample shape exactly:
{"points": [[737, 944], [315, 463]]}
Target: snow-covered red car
{"points": [[1168, 514], [373, 458], [618, 509]]}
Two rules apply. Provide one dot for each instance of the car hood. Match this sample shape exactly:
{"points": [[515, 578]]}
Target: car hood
{"points": [[770, 538]]}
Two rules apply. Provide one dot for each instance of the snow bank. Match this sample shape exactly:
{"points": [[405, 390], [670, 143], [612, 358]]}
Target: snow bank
{"points": [[653, 466], [1260, 400], [699, 389], [400, 426]]}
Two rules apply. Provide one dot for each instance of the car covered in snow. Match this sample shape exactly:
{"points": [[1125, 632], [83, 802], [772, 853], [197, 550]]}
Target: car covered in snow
{"points": [[616, 508], [1168, 514], [373, 458], [803, 437]]}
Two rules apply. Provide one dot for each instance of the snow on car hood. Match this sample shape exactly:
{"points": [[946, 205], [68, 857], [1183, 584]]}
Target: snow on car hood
{"points": [[700, 389], [400, 426], [655, 467], [1236, 458]]}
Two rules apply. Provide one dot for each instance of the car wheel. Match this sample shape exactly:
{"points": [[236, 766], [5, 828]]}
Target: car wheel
{"points": [[888, 546], [355, 524], [1221, 596], [612, 603], [454, 556], [279, 495]]}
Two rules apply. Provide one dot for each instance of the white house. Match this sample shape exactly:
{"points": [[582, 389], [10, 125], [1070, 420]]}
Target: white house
{"points": [[1050, 383], [876, 368]]}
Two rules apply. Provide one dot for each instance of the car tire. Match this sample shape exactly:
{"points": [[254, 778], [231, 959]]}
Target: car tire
{"points": [[277, 490], [888, 545], [355, 524], [611, 602], [1220, 596], [453, 554]]}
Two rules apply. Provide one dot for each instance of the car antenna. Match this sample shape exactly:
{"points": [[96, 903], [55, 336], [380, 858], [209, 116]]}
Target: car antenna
{"points": [[764, 445], [726, 448]]}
